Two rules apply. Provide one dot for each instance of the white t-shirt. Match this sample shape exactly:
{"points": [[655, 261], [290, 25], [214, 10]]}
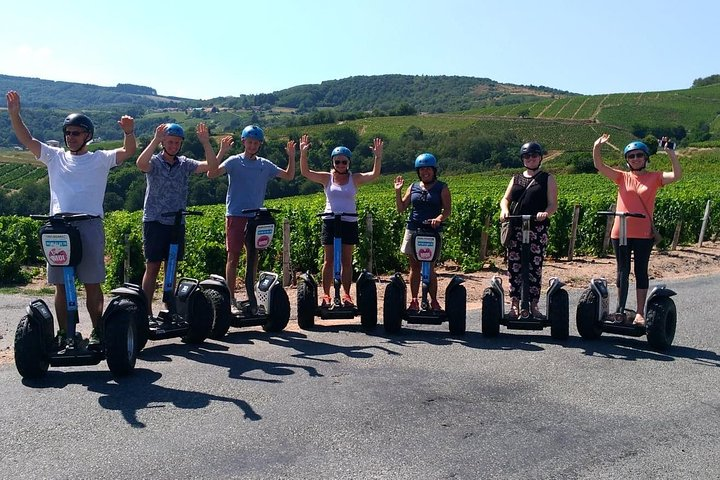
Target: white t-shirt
{"points": [[77, 182]]}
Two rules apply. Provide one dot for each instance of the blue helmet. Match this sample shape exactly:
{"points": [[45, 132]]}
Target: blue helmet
{"points": [[175, 130], [341, 151], [254, 132], [426, 160], [636, 145]]}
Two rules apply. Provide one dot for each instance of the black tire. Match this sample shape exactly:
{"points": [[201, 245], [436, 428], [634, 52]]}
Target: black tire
{"points": [[661, 322], [120, 335], [586, 316], [306, 304], [393, 308], [220, 306], [279, 310], [31, 359], [491, 312], [367, 303], [143, 331], [200, 317], [559, 312], [456, 309]]}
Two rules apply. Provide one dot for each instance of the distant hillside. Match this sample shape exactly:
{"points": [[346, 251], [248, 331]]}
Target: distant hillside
{"points": [[434, 94], [49, 94]]}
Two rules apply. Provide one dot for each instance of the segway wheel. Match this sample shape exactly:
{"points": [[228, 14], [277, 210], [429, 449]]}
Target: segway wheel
{"points": [[120, 335], [559, 312], [490, 317], [220, 306], [306, 305], [586, 316], [661, 322], [456, 309], [279, 314], [393, 308], [31, 358], [200, 317], [367, 303]]}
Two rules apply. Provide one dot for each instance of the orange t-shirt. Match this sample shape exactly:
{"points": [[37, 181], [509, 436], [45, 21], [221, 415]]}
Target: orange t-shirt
{"points": [[631, 188]]}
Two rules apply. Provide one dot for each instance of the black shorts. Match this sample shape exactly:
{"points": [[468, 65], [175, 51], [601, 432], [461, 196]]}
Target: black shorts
{"points": [[350, 235], [156, 241]]}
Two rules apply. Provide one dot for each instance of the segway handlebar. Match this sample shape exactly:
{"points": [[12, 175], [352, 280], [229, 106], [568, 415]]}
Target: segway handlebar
{"points": [[521, 217], [621, 214], [260, 210], [66, 217], [182, 213], [336, 214]]}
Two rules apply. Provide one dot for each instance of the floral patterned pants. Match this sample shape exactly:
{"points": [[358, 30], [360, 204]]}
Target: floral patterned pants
{"points": [[538, 245]]}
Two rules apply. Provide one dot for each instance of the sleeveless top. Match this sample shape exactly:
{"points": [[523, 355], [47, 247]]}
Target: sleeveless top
{"points": [[535, 199], [341, 198], [426, 204]]}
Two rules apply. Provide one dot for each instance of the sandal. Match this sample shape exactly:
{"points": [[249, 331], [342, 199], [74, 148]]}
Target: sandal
{"points": [[435, 306], [514, 311], [639, 320], [347, 300], [326, 301]]}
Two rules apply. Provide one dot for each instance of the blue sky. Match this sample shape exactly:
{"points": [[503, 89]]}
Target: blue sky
{"points": [[219, 48]]}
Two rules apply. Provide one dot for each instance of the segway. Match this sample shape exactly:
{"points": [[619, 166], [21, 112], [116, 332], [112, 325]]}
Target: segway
{"points": [[593, 316], [268, 304], [557, 303], [425, 244], [35, 346], [189, 307], [365, 289]]}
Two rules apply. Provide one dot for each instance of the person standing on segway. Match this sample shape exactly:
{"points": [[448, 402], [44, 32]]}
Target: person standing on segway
{"points": [[637, 189], [531, 192], [340, 186], [248, 176], [167, 175], [431, 204], [78, 179]]}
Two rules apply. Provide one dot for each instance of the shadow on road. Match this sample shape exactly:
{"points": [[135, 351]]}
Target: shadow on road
{"points": [[136, 392]]}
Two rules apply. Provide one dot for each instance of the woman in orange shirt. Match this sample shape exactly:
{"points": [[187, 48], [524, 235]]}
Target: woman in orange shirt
{"points": [[637, 189]]}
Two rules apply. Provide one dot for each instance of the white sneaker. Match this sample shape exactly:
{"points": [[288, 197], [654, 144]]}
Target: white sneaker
{"points": [[234, 310]]}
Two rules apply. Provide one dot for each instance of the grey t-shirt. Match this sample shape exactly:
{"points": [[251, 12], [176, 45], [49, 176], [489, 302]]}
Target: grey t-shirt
{"points": [[167, 187]]}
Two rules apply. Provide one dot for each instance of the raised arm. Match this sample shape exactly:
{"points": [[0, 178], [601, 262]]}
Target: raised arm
{"points": [[143, 160], [365, 177], [21, 131], [312, 175], [676, 173], [216, 170], [289, 172], [401, 201], [127, 123], [609, 172], [211, 162]]}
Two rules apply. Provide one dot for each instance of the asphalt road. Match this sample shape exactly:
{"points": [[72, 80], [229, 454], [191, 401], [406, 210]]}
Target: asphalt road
{"points": [[338, 403]]}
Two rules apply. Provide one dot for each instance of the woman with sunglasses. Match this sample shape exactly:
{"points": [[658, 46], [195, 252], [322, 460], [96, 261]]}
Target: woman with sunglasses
{"points": [[531, 192], [340, 186], [431, 203], [637, 189]]}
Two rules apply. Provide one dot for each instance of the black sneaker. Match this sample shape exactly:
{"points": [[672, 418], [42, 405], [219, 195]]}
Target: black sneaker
{"points": [[95, 338], [59, 341]]}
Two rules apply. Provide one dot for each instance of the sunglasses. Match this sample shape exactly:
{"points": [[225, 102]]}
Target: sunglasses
{"points": [[632, 156], [341, 162], [74, 133], [530, 155]]}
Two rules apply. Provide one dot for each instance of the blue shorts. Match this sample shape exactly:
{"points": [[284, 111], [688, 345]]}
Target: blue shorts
{"points": [[156, 241], [92, 266]]}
